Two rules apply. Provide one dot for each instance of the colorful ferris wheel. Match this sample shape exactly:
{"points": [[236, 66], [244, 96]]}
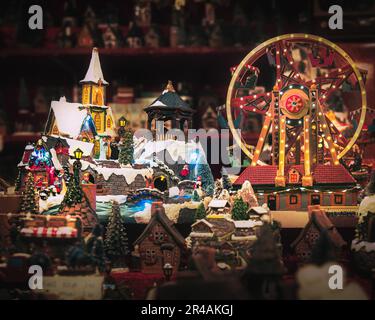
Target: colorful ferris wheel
{"points": [[298, 88]]}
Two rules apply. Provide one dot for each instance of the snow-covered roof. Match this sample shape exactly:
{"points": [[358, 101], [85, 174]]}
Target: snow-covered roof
{"points": [[94, 73], [86, 147], [69, 117], [128, 173], [210, 225], [216, 203], [189, 152], [243, 223], [259, 210]]}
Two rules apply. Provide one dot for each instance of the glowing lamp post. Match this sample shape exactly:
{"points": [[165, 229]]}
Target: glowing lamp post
{"points": [[167, 270], [78, 153], [122, 123]]}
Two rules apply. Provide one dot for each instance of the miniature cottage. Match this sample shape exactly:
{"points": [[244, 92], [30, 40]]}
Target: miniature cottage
{"points": [[309, 236], [211, 229], [159, 243], [244, 230], [217, 206]]}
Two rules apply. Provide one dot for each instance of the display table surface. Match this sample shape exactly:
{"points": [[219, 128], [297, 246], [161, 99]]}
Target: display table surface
{"points": [[138, 282]]}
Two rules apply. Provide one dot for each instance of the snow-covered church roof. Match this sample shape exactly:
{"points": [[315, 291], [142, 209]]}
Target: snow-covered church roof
{"points": [[94, 73], [69, 117]]}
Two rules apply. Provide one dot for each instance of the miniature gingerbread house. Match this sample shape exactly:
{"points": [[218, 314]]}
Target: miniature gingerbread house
{"points": [[310, 235], [160, 243]]}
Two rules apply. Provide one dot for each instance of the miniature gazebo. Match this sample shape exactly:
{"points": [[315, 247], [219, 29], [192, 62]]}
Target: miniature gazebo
{"points": [[170, 106]]}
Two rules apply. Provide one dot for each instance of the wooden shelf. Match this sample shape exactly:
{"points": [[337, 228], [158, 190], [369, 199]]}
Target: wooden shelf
{"points": [[123, 52]]}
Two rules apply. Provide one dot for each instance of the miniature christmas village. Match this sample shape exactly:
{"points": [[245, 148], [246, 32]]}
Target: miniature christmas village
{"points": [[98, 206]]}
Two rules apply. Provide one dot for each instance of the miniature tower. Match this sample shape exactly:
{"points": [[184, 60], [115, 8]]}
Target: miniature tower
{"points": [[94, 99]]}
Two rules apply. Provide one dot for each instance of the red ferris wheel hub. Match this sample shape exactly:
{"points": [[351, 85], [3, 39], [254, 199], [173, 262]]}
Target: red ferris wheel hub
{"points": [[294, 103]]}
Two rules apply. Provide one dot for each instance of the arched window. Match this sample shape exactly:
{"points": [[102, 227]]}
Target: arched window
{"points": [[98, 122], [96, 147], [109, 122]]}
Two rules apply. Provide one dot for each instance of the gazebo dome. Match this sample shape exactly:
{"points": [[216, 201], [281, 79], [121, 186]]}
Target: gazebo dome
{"points": [[170, 106]]}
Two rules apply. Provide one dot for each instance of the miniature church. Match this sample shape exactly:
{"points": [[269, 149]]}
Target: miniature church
{"points": [[90, 121]]}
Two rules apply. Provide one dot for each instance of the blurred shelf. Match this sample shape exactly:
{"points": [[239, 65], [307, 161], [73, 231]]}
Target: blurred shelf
{"points": [[15, 138], [123, 52]]}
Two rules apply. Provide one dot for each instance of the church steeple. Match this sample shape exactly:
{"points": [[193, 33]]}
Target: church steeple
{"points": [[94, 72], [93, 84]]}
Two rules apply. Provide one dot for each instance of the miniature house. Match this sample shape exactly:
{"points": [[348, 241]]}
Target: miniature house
{"points": [[91, 120], [309, 236], [217, 206], [159, 243], [244, 230], [333, 185], [211, 229]]}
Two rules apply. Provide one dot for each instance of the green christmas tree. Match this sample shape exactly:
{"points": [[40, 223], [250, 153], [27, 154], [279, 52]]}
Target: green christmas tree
{"points": [[28, 202], [74, 192], [227, 184], [116, 241], [239, 211], [200, 212], [195, 196], [17, 184], [204, 172], [126, 147]]}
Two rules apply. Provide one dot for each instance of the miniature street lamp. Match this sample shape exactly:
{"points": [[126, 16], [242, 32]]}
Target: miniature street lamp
{"points": [[77, 164], [78, 154], [167, 270], [122, 122]]}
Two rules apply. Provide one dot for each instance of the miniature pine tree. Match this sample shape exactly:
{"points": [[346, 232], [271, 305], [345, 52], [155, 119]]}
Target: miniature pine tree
{"points": [[116, 241], [195, 196], [28, 203], [17, 183], [74, 192], [240, 210], [126, 146], [204, 172], [200, 212], [227, 184]]}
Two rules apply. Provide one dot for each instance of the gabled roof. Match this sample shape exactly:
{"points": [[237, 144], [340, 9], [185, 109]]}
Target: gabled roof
{"points": [[94, 72], [216, 203], [320, 220], [258, 210], [169, 99], [69, 117], [204, 221], [322, 174], [160, 216], [243, 223]]}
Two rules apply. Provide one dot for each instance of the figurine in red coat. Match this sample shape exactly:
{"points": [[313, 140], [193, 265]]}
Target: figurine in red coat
{"points": [[185, 171]]}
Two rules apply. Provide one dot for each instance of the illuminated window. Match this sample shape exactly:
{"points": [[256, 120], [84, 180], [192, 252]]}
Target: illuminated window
{"points": [[109, 122], [293, 199], [97, 147], [338, 199], [98, 122]]}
